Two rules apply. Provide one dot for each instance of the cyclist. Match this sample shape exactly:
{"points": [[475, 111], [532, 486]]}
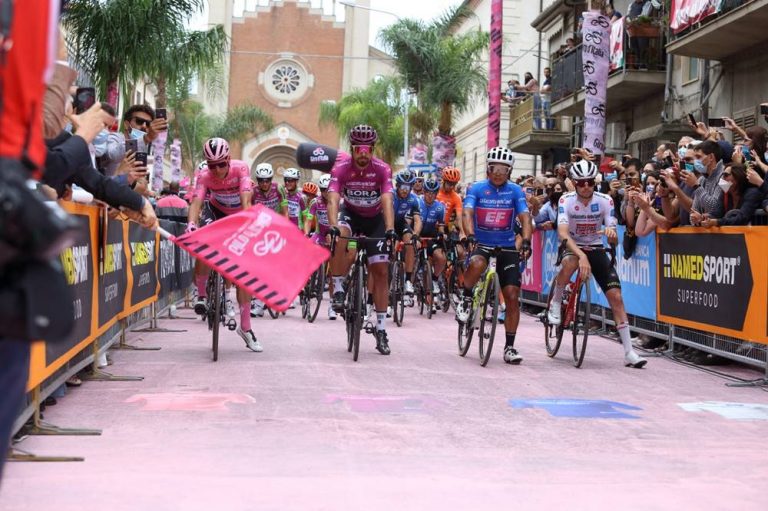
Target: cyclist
{"points": [[490, 211], [366, 185], [297, 206], [317, 218], [270, 195], [309, 189], [453, 212], [581, 215], [407, 222], [418, 185], [227, 185], [433, 215]]}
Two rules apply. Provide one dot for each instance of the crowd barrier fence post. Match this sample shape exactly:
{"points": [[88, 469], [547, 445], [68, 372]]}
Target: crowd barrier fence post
{"points": [[96, 374], [153, 326]]}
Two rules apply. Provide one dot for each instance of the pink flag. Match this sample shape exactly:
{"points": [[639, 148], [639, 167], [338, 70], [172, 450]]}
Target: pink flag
{"points": [[259, 250]]}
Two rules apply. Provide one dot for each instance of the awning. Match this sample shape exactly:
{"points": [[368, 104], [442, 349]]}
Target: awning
{"points": [[661, 131]]}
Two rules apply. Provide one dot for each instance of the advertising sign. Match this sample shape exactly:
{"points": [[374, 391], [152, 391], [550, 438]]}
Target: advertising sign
{"points": [[143, 250], [113, 279], [715, 281], [531, 277]]}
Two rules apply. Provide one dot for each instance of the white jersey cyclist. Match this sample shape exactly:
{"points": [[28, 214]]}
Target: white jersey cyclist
{"points": [[586, 222]]}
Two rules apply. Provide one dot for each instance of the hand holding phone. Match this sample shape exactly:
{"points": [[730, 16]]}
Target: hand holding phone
{"points": [[716, 122], [692, 120], [85, 97], [141, 157], [161, 113], [131, 145]]}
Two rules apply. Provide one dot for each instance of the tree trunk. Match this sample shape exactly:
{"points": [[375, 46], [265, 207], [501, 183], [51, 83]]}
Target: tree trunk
{"points": [[161, 100], [445, 125], [112, 93]]}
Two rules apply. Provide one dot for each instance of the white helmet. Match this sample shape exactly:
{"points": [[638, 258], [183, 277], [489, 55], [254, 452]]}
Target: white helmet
{"points": [[291, 173], [583, 169], [500, 154], [264, 171], [324, 182], [202, 165]]}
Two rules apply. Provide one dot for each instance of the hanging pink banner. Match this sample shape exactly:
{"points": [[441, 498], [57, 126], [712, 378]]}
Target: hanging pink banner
{"points": [[418, 153], [494, 81], [596, 61], [175, 159], [443, 150], [685, 13], [158, 148]]}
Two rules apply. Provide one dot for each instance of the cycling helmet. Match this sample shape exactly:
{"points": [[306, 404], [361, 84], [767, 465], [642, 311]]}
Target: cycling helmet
{"points": [[264, 171], [310, 188], [362, 134], [405, 177], [291, 173], [583, 169], [431, 184], [500, 154], [216, 149], [202, 166], [324, 182], [451, 175]]}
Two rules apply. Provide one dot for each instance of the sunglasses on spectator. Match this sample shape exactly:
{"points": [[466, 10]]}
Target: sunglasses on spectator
{"points": [[362, 149], [213, 165], [142, 122], [585, 182]]}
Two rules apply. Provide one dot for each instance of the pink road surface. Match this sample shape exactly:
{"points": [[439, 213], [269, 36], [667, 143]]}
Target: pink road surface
{"points": [[302, 427]]}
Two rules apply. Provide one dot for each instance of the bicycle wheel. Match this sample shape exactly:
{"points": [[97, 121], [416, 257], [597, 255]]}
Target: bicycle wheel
{"points": [[397, 289], [210, 289], [304, 297], [553, 334], [359, 311], [466, 331], [315, 296], [350, 311], [582, 309], [217, 299], [429, 298], [445, 296], [453, 291], [488, 318]]}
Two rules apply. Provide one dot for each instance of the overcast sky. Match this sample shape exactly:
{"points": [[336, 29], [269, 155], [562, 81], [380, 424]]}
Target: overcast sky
{"points": [[421, 9]]}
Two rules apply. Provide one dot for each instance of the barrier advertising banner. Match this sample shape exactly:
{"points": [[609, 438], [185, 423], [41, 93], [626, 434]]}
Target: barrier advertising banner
{"points": [[142, 277], [167, 262], [715, 281], [637, 274], [113, 280], [531, 277]]}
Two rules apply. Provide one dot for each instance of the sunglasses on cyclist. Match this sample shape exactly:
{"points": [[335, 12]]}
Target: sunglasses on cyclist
{"points": [[585, 182], [499, 168], [213, 165], [362, 149], [142, 122], [262, 181]]}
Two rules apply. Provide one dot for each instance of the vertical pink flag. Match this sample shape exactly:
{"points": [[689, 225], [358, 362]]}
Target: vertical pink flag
{"points": [[176, 160], [596, 53], [494, 82], [158, 147]]}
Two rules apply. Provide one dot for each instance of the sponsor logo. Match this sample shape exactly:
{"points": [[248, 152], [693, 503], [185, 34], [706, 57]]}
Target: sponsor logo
{"points": [[595, 207], [238, 242], [319, 156], [74, 261], [113, 260], [272, 243], [143, 252], [712, 269]]}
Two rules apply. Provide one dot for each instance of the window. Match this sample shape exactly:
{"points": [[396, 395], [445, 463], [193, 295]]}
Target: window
{"points": [[286, 81], [690, 70]]}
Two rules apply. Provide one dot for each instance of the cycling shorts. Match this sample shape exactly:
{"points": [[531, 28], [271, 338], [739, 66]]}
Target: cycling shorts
{"points": [[400, 226], [604, 273], [210, 214], [371, 227], [507, 265]]}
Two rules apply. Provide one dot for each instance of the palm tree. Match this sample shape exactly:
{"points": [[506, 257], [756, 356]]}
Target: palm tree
{"points": [[378, 105], [123, 41], [193, 127], [444, 70]]}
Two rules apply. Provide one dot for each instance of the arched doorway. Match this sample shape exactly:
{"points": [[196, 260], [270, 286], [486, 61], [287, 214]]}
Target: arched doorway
{"points": [[281, 157]]}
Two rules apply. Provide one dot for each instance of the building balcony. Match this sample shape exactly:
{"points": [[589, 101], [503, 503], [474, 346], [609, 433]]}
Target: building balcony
{"points": [[636, 73], [736, 27], [530, 132]]}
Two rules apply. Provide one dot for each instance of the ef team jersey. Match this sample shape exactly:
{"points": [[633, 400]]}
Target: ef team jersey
{"points": [[495, 210], [584, 221]]}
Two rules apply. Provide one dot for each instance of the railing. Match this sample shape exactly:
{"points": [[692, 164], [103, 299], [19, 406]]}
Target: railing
{"points": [[723, 7], [643, 50], [531, 115]]}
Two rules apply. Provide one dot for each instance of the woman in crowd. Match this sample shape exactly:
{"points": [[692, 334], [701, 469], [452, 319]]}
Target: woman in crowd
{"points": [[741, 199]]}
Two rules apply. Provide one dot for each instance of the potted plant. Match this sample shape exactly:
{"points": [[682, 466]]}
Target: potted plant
{"points": [[643, 26]]}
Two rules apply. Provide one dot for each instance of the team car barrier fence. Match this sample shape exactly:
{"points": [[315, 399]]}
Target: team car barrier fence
{"points": [[122, 275], [701, 288]]}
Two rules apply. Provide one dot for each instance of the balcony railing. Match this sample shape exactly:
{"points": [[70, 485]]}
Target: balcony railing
{"points": [[531, 129], [641, 53]]}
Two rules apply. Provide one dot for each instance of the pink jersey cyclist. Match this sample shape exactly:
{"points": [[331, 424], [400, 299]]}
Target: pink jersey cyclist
{"points": [[224, 193], [319, 211], [361, 189], [274, 199]]}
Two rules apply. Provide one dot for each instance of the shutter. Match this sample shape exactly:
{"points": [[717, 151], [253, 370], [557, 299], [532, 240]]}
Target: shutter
{"points": [[744, 119]]}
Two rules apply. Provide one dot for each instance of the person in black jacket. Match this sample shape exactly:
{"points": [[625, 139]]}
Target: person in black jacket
{"points": [[741, 198]]}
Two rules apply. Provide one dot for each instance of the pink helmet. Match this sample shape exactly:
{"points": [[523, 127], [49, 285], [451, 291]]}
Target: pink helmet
{"points": [[362, 134], [216, 149]]}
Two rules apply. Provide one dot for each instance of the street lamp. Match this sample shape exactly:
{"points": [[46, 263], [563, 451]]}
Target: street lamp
{"points": [[406, 102]]}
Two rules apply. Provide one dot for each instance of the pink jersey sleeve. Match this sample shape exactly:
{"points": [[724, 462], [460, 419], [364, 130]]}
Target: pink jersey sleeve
{"points": [[339, 171], [245, 175]]}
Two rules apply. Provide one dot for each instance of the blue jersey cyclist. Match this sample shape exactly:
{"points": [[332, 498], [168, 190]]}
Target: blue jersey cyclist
{"points": [[407, 222], [490, 210], [433, 226]]}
